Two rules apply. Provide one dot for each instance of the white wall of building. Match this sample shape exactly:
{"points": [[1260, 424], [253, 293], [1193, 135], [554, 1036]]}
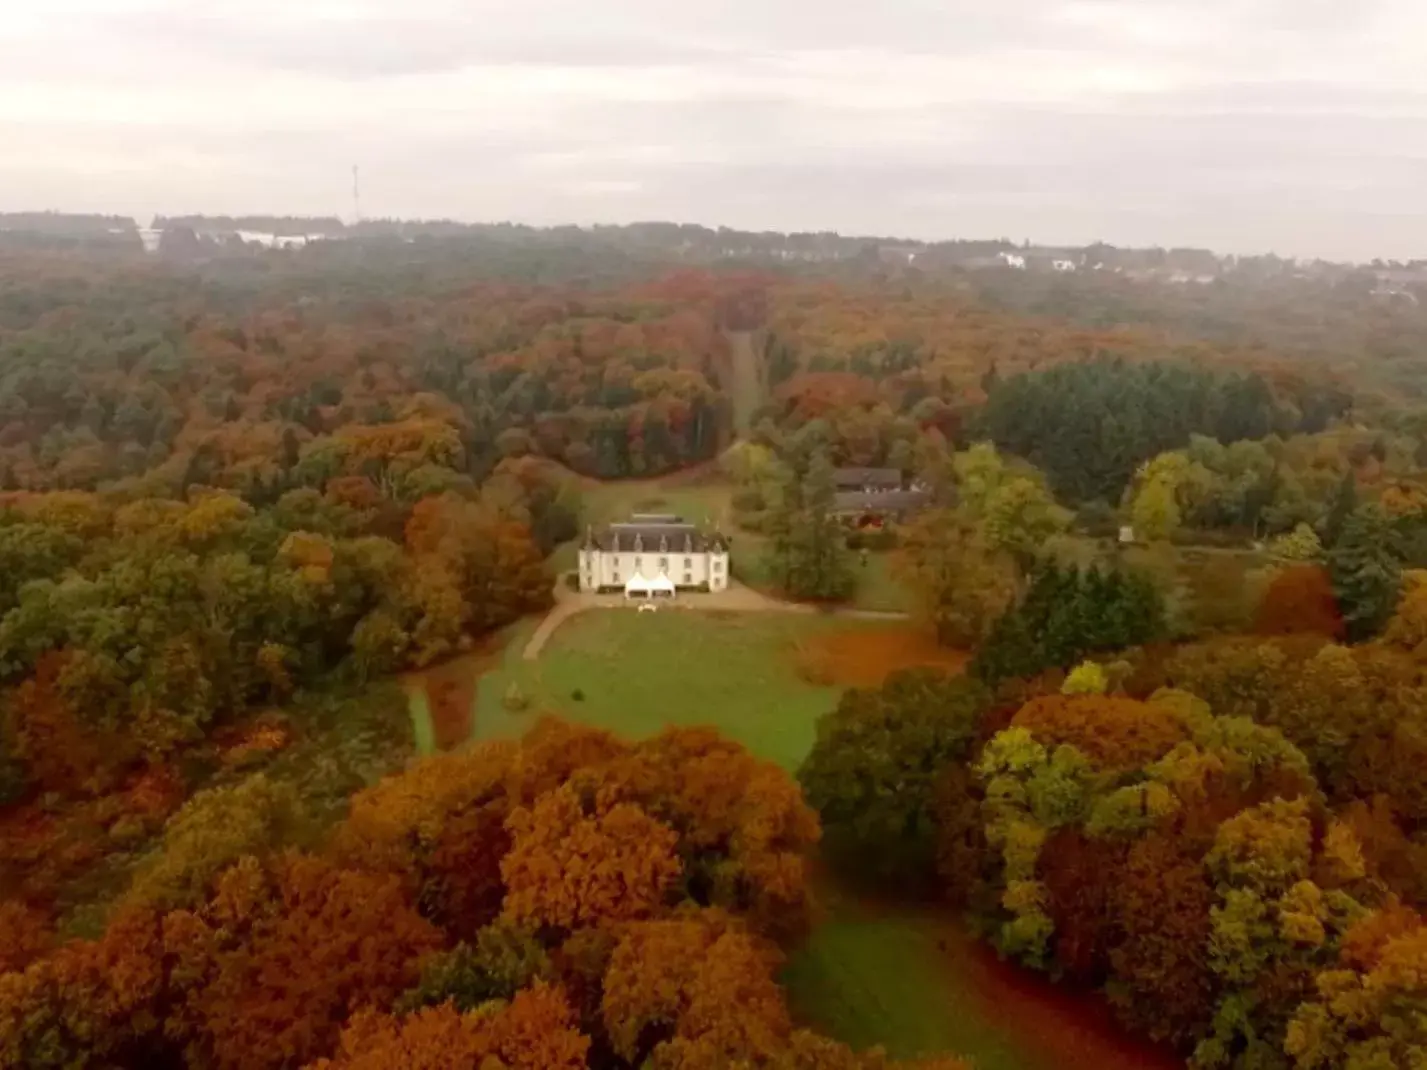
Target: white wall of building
{"points": [[599, 569]]}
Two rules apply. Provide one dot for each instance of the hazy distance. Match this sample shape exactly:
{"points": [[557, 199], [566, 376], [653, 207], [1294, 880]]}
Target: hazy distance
{"points": [[1242, 125]]}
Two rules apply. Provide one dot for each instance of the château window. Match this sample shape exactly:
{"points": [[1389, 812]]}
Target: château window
{"points": [[663, 564], [636, 562], [717, 567], [688, 563]]}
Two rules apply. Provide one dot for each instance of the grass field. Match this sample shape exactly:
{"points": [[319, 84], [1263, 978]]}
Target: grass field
{"points": [[881, 978], [638, 672], [877, 586]]}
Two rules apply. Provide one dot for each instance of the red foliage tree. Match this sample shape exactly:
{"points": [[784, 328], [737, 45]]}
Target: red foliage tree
{"points": [[1300, 600], [534, 1032], [295, 952], [1115, 733]]}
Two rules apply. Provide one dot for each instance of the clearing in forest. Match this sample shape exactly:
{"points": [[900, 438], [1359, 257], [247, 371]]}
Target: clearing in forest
{"points": [[747, 376], [635, 673], [915, 981]]}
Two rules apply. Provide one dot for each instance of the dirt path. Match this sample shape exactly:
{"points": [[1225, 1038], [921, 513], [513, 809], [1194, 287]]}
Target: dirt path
{"points": [[739, 598], [748, 386]]}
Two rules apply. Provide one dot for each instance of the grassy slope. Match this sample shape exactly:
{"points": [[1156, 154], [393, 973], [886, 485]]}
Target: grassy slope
{"points": [[747, 388], [881, 979], [641, 671]]}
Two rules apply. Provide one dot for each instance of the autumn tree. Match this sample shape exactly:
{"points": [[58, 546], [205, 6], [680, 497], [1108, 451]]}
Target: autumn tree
{"points": [[534, 1031], [1363, 1010], [213, 830], [1300, 599], [961, 582], [293, 951], [573, 862], [693, 990]]}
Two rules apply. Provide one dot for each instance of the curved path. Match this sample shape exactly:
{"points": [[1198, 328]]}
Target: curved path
{"points": [[739, 598]]}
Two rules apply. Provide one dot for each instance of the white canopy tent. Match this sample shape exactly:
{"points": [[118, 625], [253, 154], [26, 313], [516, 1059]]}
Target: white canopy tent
{"points": [[638, 587]]}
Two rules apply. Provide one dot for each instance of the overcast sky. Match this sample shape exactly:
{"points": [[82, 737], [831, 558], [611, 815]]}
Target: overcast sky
{"points": [[1244, 125]]}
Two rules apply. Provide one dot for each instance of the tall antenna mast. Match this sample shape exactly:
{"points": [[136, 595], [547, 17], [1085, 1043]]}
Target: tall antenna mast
{"points": [[356, 196]]}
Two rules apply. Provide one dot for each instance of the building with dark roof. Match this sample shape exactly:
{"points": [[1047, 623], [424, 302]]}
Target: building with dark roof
{"points": [[867, 480], [863, 507], [649, 546]]}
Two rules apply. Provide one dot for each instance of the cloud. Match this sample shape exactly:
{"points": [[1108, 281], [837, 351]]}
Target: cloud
{"points": [[1243, 124]]}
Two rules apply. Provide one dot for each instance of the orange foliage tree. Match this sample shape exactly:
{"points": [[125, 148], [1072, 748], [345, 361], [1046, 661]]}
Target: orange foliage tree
{"points": [[289, 952], [1115, 733], [693, 991], [1298, 600], [535, 1031], [571, 863]]}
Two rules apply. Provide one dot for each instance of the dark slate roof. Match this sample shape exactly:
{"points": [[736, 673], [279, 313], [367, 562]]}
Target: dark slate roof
{"points": [[887, 501], [655, 538], [857, 478]]}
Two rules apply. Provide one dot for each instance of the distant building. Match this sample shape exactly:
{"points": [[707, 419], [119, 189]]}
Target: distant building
{"points": [[1062, 265], [866, 497], [867, 480], [862, 509], [650, 550], [1012, 260]]}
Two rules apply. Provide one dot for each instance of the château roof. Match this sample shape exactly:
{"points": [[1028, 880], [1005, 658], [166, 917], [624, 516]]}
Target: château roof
{"points": [[667, 536]]}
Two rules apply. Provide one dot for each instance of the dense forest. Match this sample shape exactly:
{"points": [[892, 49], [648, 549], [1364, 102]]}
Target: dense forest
{"points": [[1177, 534]]}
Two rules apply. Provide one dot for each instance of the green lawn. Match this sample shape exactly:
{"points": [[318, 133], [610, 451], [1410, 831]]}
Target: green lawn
{"points": [[877, 586], [639, 672], [880, 978], [703, 503]]}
